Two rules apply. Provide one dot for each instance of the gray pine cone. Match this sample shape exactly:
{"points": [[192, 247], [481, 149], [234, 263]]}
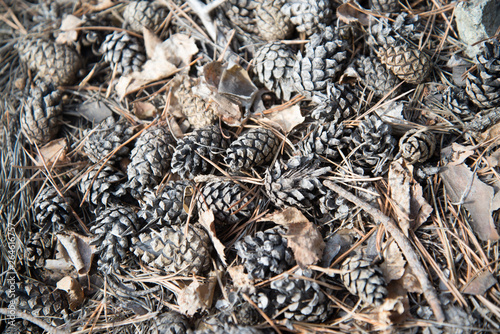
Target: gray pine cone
{"points": [[373, 145], [242, 13], [165, 206], [325, 56], [296, 182], [376, 76], [124, 52], [341, 103], [272, 24], [150, 159], [309, 16], [144, 13], [199, 112], [483, 87], [403, 30], [169, 323], [406, 62], [255, 147], [456, 100], [41, 115], [265, 255], [55, 63], [105, 189], [274, 64], [229, 329], [364, 279], [111, 234], [39, 247], [229, 202], [417, 146], [207, 142], [235, 310], [174, 251], [385, 6], [105, 138], [325, 140], [51, 210], [294, 298]]}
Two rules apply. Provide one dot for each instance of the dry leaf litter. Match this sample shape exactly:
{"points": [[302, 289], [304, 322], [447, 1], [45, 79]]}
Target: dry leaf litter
{"points": [[248, 166]]}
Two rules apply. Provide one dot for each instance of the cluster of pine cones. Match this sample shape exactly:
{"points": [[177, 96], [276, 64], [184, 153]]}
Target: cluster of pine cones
{"points": [[144, 190]]}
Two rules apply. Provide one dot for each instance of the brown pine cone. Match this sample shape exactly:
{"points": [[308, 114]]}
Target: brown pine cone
{"points": [[144, 13], [40, 247], [375, 75], [272, 24], [124, 52], [417, 146], [406, 62]]}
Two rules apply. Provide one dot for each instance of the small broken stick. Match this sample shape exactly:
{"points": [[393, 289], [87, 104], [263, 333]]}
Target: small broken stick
{"points": [[403, 243]]}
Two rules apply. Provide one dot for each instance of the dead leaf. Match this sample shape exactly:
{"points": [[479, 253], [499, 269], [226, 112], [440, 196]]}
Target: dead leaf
{"points": [[494, 159], [348, 13], [410, 282], [394, 263], [94, 111], [151, 41], [463, 186], [396, 307], [207, 220], [490, 133], [144, 110], [68, 33], [53, 152], [420, 210], [480, 284], [285, 119], [78, 250], [236, 85], [458, 153], [74, 291], [229, 111], [303, 236], [400, 177], [196, 296], [241, 280]]}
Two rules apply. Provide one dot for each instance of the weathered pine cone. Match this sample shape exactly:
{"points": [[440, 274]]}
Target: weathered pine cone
{"points": [[150, 159], [274, 64], [417, 146], [272, 24], [104, 138], [457, 101], [242, 13], [111, 234], [229, 202], [105, 188], [309, 16], [144, 13], [235, 310], [124, 52], [385, 6], [364, 279], [265, 255], [296, 182], [175, 249], [406, 62], [341, 103], [55, 63], [325, 140], [169, 323], [51, 210], [404, 28], [39, 247], [207, 142], [41, 115], [253, 148], [376, 76], [166, 206], [228, 329]]}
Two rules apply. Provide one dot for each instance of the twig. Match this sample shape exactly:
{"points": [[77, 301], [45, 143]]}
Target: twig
{"points": [[40, 323], [403, 243]]}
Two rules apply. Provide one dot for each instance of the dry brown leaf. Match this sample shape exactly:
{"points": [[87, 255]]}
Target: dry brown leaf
{"points": [[207, 220], [494, 158], [400, 177], [236, 85], [396, 307], [464, 187], [285, 119], [144, 110], [229, 111], [77, 249], [492, 132], [303, 236], [480, 284], [394, 263], [420, 210], [410, 282], [348, 14], [74, 291], [68, 33], [94, 111], [53, 152], [196, 296], [460, 153], [241, 280]]}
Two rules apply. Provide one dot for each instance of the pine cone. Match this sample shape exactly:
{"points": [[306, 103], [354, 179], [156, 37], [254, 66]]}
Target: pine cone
{"points": [[484, 87], [364, 279], [144, 13], [229, 329], [266, 254], [198, 112], [236, 310], [105, 138], [456, 100], [417, 146], [242, 13], [111, 233], [41, 117], [341, 103], [324, 58], [39, 247], [296, 182], [406, 62], [271, 23], [150, 159], [294, 298], [376, 76], [255, 147], [309, 16], [54, 63], [385, 6], [123, 51], [22, 326], [173, 251], [165, 206], [402, 30], [51, 210], [187, 159], [229, 202], [105, 188], [169, 323], [373, 145], [274, 64], [325, 139]]}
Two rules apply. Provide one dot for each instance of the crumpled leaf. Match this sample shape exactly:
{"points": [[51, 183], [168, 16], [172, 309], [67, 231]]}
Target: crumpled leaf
{"points": [[53, 152], [229, 111], [144, 110], [76, 249], [463, 186], [68, 33], [400, 176], [74, 291], [207, 220], [480, 284], [348, 13], [285, 119], [394, 263], [236, 85], [196, 296], [396, 307], [241, 280], [410, 282], [457, 153], [94, 111], [303, 236], [494, 158], [420, 210], [490, 133]]}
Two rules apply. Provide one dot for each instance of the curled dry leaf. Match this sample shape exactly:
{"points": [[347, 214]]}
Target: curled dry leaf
{"points": [[494, 159], [76, 248], [241, 280], [144, 110], [394, 263], [350, 13], [74, 291], [94, 111], [68, 33], [53, 152], [303, 236], [480, 284], [410, 282], [400, 177], [420, 210], [229, 111], [285, 119], [396, 307], [207, 220], [196, 296]]}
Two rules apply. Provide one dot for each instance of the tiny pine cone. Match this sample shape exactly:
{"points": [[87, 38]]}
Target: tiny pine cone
{"points": [[417, 146]]}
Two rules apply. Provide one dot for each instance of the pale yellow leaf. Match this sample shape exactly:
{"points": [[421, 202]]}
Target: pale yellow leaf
{"points": [[74, 291], [285, 119], [68, 33], [207, 220], [394, 263], [53, 152]]}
